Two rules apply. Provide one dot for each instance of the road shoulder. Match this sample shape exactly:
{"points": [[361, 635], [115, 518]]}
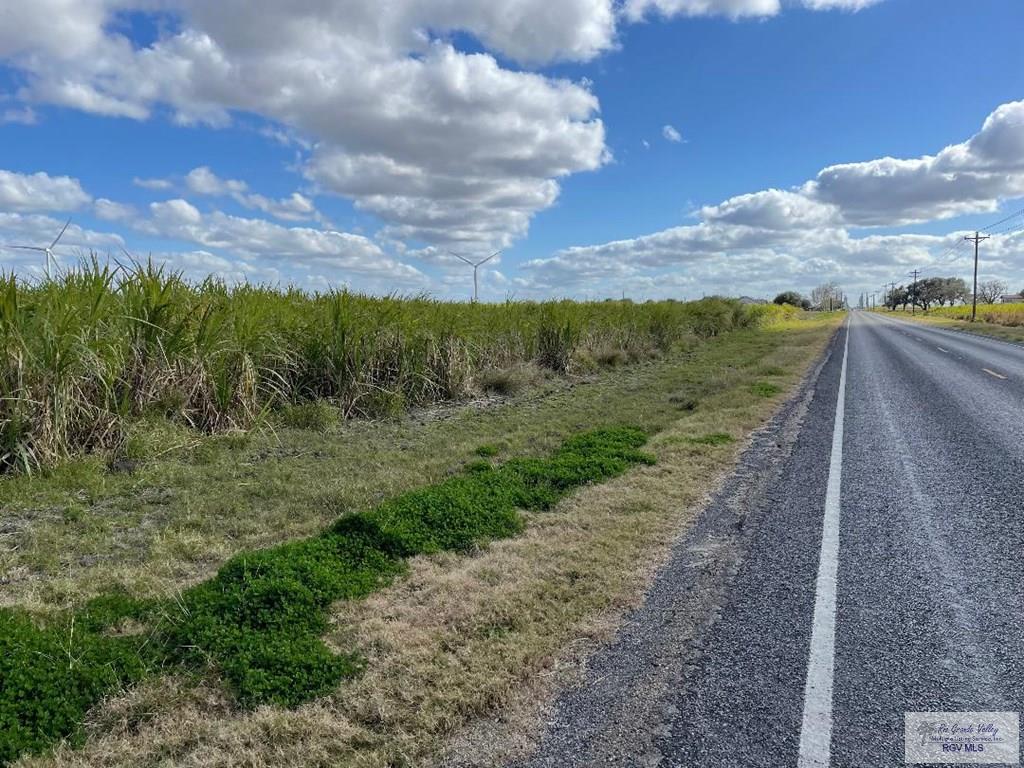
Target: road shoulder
{"points": [[615, 702]]}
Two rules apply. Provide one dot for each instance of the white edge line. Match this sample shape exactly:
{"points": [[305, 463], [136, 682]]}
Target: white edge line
{"points": [[816, 728]]}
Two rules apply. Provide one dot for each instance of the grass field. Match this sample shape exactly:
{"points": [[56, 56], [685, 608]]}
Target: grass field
{"points": [[454, 636], [1001, 321]]}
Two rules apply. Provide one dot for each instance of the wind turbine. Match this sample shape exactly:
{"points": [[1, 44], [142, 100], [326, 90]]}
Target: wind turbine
{"points": [[475, 265], [48, 250]]}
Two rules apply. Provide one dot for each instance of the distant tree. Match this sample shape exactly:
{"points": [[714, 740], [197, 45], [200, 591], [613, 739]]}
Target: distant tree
{"points": [[989, 291], [827, 296], [954, 291], [926, 292], [792, 298], [898, 297]]}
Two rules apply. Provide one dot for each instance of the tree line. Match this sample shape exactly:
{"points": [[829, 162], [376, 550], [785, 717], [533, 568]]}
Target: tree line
{"points": [[940, 291]]}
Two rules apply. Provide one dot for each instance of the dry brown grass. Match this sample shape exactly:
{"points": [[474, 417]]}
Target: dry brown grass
{"points": [[461, 635]]}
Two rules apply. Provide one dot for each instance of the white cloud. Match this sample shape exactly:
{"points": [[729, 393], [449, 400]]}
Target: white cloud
{"points": [[374, 85], [153, 184], [671, 134], [108, 210], [772, 209], [175, 213], [295, 207], [298, 247], [973, 176], [735, 9], [40, 192], [203, 181], [776, 239], [635, 10], [20, 115], [841, 5], [443, 145]]}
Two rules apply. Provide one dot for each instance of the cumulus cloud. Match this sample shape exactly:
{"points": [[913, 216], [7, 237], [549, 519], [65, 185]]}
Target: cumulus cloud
{"points": [[636, 10], [444, 146], [153, 184], [772, 209], [40, 192], [203, 181], [973, 176], [20, 115], [790, 238], [378, 87], [735, 9], [298, 247], [108, 210], [295, 207], [671, 134]]}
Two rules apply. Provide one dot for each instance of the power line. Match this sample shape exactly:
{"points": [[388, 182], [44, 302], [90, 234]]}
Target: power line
{"points": [[1002, 221]]}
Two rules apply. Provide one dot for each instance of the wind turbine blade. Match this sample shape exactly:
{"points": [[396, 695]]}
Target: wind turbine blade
{"points": [[458, 256], [488, 258], [66, 225], [25, 248]]}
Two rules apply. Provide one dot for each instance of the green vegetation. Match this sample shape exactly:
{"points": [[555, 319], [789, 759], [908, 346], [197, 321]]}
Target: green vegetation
{"points": [[1011, 315], [454, 639], [259, 621], [793, 299], [84, 356], [765, 389]]}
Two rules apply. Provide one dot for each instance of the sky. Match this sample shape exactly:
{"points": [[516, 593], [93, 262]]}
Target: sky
{"points": [[606, 148]]}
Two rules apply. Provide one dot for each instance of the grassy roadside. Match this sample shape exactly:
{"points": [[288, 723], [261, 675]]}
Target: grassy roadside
{"points": [[981, 328], [455, 637]]}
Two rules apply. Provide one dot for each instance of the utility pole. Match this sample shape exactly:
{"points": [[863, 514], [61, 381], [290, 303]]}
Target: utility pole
{"points": [[978, 237], [913, 295], [892, 293]]}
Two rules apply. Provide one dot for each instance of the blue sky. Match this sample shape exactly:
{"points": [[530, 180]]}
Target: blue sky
{"points": [[359, 147]]}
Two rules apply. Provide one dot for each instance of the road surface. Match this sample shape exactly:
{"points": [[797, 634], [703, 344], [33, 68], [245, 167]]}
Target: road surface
{"points": [[795, 625]]}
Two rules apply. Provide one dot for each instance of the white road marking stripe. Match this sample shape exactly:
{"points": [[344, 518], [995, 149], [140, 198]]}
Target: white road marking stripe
{"points": [[942, 350], [993, 373], [816, 729]]}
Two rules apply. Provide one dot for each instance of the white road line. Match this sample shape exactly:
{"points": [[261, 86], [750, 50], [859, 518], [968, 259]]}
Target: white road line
{"points": [[816, 729], [942, 350], [993, 373]]}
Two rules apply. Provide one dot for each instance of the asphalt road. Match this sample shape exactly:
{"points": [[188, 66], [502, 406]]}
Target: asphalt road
{"points": [[759, 646]]}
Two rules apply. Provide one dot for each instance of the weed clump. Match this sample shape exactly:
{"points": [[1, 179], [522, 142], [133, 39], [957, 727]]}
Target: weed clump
{"points": [[315, 415], [51, 675], [259, 621], [765, 389]]}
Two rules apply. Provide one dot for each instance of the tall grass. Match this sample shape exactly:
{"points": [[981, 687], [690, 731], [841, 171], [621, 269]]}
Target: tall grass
{"points": [[999, 314], [87, 352]]}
